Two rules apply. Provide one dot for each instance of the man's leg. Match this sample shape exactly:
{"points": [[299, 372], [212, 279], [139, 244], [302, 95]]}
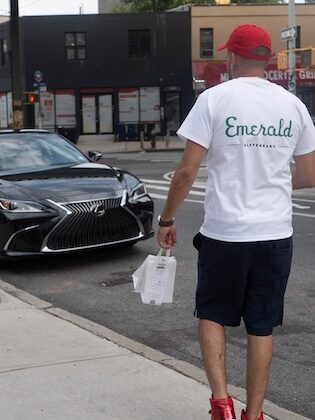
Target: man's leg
{"points": [[212, 344], [259, 355]]}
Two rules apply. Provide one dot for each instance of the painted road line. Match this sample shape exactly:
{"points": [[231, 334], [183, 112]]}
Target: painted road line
{"points": [[164, 197], [298, 206], [160, 187], [194, 201], [303, 214], [159, 196], [303, 199], [155, 181], [162, 182]]}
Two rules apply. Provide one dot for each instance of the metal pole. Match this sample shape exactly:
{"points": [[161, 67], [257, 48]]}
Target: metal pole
{"points": [[291, 48], [17, 102], [40, 120]]}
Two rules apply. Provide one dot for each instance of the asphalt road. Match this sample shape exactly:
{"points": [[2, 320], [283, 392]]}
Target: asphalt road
{"points": [[97, 285]]}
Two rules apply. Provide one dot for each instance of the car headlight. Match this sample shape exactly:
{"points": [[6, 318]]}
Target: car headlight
{"points": [[20, 206], [135, 187], [137, 192]]}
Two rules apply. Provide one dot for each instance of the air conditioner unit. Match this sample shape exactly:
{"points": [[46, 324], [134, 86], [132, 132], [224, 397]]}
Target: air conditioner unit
{"points": [[206, 52]]}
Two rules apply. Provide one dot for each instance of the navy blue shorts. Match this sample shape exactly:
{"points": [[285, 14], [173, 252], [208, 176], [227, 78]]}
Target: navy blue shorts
{"points": [[242, 280]]}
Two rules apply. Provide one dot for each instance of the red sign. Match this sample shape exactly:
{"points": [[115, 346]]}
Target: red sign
{"points": [[214, 73]]}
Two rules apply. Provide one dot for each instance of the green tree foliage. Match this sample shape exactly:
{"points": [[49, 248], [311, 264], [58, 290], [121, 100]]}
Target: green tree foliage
{"points": [[155, 5]]}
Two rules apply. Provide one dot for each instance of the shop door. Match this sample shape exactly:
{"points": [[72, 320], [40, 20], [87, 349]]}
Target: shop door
{"points": [[105, 112], [89, 114], [172, 111], [97, 114]]}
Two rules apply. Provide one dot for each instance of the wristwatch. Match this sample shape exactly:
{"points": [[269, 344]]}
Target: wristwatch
{"points": [[165, 223]]}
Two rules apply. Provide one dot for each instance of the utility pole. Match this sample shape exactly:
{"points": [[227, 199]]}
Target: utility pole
{"points": [[17, 100], [291, 48]]}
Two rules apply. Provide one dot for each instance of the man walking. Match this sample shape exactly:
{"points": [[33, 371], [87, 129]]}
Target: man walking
{"points": [[248, 129]]}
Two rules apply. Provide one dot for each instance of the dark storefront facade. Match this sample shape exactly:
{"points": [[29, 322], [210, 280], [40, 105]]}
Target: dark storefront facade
{"points": [[103, 74]]}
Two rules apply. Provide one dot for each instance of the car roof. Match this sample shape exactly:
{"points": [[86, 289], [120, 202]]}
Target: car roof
{"points": [[24, 130]]}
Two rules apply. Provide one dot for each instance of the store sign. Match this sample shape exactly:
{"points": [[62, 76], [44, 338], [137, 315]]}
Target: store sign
{"points": [[215, 73]]}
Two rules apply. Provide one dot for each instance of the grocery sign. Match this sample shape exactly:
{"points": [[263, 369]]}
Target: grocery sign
{"points": [[215, 72]]}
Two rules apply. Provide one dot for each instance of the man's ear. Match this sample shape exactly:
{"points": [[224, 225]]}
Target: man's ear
{"points": [[233, 58]]}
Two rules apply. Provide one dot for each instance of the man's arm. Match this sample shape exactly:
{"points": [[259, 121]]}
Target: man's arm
{"points": [[303, 174], [182, 181]]}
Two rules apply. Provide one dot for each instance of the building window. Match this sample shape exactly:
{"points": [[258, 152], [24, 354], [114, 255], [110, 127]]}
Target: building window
{"points": [[206, 42], [3, 52], [75, 44], [139, 43]]}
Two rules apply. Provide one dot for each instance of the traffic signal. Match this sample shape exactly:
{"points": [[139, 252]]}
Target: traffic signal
{"points": [[282, 59], [308, 57], [32, 98]]}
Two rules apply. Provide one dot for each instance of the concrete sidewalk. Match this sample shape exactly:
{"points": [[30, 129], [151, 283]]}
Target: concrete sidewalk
{"points": [[107, 144], [57, 366]]}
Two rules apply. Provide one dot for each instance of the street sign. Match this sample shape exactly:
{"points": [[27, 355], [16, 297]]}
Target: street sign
{"points": [[38, 76], [288, 33], [42, 84]]}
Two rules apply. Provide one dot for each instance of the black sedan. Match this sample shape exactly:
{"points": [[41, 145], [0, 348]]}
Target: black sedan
{"points": [[54, 199]]}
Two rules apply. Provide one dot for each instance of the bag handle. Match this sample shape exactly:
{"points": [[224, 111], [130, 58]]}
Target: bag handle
{"points": [[167, 252]]}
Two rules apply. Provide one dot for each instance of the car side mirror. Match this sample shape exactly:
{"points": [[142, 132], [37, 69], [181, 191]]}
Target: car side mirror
{"points": [[95, 156]]}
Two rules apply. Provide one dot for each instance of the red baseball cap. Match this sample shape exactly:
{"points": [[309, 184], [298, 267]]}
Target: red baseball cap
{"points": [[245, 38]]}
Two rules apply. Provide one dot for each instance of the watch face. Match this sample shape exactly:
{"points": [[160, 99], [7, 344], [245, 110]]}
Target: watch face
{"points": [[165, 222]]}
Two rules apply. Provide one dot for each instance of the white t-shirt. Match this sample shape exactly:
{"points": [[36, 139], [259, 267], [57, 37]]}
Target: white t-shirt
{"points": [[251, 128]]}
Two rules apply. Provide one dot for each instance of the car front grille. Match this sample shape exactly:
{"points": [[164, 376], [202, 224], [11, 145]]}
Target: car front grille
{"points": [[93, 223]]}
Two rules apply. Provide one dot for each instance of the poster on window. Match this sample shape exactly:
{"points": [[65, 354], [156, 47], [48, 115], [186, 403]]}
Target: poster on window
{"points": [[3, 110], [65, 108], [47, 101], [150, 104], [10, 109], [129, 105]]}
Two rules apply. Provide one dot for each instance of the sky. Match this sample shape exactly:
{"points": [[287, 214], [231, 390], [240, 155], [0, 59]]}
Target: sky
{"points": [[55, 7], [50, 7]]}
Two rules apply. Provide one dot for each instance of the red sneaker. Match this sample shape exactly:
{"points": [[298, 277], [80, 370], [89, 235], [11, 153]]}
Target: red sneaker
{"points": [[222, 409], [243, 416]]}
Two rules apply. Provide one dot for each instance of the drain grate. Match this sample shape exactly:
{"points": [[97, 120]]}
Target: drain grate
{"points": [[117, 279]]}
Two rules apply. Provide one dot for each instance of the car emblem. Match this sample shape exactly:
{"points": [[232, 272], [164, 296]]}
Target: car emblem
{"points": [[98, 209]]}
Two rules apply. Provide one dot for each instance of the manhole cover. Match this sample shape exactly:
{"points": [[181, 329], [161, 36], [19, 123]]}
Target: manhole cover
{"points": [[117, 279]]}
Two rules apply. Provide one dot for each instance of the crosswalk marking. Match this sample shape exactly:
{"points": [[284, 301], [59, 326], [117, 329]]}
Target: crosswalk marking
{"points": [[303, 214], [155, 186], [298, 206], [162, 188], [155, 181], [164, 197]]}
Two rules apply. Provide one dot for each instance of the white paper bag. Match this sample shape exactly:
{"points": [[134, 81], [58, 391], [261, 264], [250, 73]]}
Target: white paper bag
{"points": [[155, 279]]}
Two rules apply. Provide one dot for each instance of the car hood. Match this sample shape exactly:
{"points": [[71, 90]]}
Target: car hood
{"points": [[88, 181]]}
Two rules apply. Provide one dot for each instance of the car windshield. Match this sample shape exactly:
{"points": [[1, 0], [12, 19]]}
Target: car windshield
{"points": [[36, 151]]}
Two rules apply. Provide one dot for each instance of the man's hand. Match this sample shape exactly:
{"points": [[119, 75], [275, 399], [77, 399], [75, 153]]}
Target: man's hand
{"points": [[166, 236]]}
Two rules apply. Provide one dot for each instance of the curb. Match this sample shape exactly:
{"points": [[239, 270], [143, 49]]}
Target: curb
{"points": [[111, 152], [170, 362]]}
